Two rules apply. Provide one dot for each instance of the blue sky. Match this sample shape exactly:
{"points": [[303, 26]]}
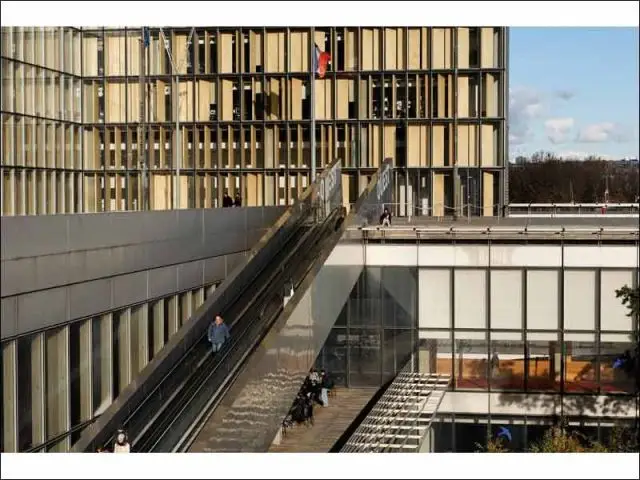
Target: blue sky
{"points": [[574, 91]]}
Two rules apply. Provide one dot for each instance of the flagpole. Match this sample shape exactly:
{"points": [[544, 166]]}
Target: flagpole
{"points": [[312, 45]]}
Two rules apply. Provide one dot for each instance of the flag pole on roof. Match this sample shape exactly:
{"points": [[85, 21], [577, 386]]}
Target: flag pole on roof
{"points": [[312, 100], [318, 62]]}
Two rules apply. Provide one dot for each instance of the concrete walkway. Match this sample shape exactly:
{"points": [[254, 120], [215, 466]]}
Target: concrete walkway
{"points": [[330, 423]]}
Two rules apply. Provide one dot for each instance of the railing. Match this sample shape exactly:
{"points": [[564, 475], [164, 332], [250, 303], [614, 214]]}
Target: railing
{"points": [[401, 419], [561, 210], [593, 233], [411, 209]]}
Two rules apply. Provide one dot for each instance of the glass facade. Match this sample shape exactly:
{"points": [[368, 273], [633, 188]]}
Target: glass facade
{"points": [[432, 99], [469, 434], [379, 330], [375, 334], [59, 380]]}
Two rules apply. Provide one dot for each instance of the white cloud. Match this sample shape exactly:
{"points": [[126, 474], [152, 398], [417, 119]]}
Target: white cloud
{"points": [[558, 129], [525, 105], [603, 132]]}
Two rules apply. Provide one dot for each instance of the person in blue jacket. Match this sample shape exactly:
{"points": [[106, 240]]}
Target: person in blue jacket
{"points": [[218, 333]]}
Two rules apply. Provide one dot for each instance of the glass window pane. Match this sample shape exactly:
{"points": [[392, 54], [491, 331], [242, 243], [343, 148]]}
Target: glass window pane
{"points": [[507, 365], [614, 374], [364, 357], [471, 436], [443, 434], [471, 364], [435, 355], [580, 367], [25, 389], [333, 357], [399, 292], [543, 366], [397, 350], [74, 373]]}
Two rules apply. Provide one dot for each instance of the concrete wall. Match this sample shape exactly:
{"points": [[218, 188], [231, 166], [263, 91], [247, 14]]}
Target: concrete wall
{"points": [[60, 268]]}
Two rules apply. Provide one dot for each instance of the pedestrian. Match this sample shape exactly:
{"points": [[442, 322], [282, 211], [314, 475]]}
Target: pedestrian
{"points": [[121, 444], [227, 201], [238, 200], [385, 218], [495, 364], [218, 334]]}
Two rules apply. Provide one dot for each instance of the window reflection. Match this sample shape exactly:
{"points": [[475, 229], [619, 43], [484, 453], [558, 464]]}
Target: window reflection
{"points": [[364, 357], [471, 364], [396, 351], [613, 378], [507, 365], [435, 356], [399, 285], [543, 366], [580, 367]]}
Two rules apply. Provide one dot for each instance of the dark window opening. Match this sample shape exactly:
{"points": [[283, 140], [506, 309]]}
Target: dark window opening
{"points": [[412, 101], [388, 98], [376, 93], [401, 157], [259, 106], [213, 54], [401, 100], [247, 52], [434, 99], [234, 54], [474, 48], [340, 53], [247, 113], [446, 148]]}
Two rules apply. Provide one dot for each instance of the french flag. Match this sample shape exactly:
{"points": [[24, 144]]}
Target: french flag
{"points": [[320, 62]]}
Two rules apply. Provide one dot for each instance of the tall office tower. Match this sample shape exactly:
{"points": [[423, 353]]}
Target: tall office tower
{"points": [[432, 99]]}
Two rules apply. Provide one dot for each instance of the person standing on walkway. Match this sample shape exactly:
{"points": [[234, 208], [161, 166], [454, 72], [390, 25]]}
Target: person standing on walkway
{"points": [[218, 334], [385, 218]]}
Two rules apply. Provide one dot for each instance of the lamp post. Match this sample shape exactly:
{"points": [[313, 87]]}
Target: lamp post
{"points": [[312, 64]]}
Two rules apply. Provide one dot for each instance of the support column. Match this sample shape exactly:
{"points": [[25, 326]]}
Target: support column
{"points": [[158, 326], [57, 368], [174, 320], [124, 349], [209, 290], [38, 407], [198, 299], [139, 339], [106, 362], [185, 307], [427, 441], [86, 370], [10, 396]]}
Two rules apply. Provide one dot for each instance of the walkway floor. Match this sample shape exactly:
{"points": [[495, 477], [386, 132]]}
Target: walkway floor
{"points": [[330, 423]]}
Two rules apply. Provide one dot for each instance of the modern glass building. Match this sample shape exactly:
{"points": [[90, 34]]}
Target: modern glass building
{"points": [[89, 116], [528, 331]]}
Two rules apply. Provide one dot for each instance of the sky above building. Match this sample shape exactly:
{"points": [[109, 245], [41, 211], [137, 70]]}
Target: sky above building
{"points": [[574, 91]]}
